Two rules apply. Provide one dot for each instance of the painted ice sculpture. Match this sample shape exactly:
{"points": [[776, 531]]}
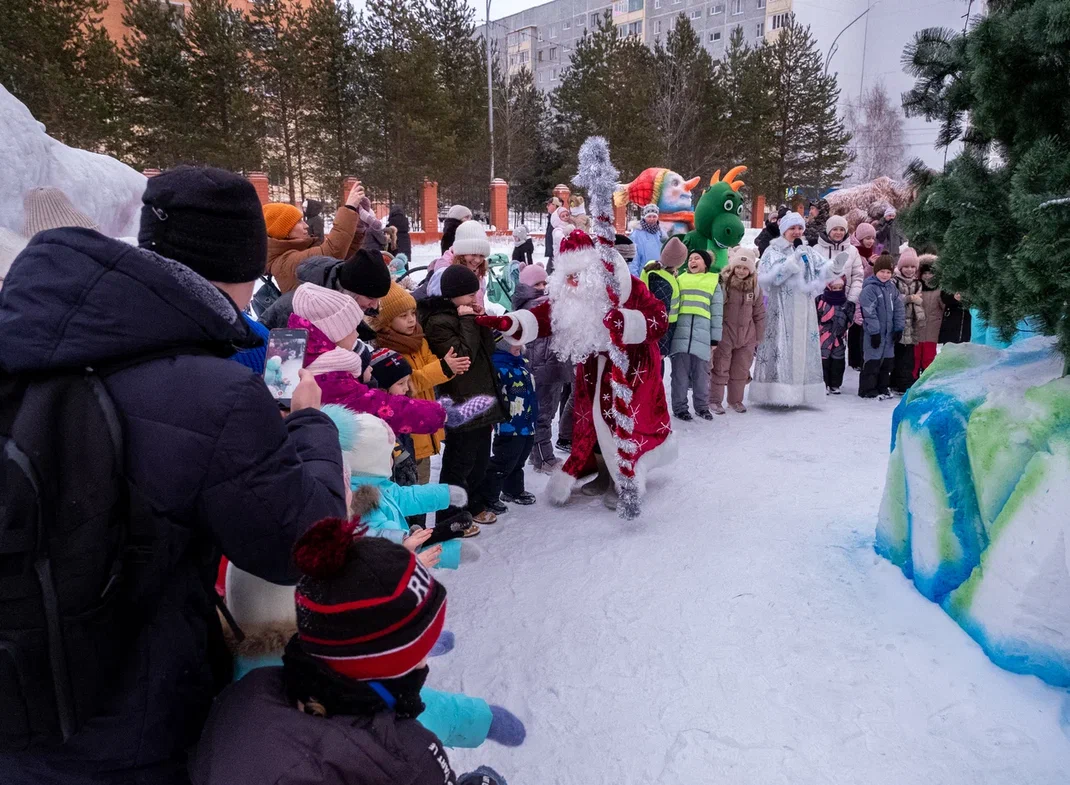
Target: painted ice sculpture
{"points": [[106, 190], [976, 507]]}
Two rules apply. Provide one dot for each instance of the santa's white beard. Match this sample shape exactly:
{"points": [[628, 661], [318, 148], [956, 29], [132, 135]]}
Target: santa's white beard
{"points": [[576, 312]]}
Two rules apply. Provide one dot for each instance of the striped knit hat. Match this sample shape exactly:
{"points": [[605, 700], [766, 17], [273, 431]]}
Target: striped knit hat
{"points": [[366, 607], [50, 208]]}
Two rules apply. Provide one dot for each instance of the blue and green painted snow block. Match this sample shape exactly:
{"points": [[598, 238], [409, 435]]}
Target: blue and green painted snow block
{"points": [[976, 507]]}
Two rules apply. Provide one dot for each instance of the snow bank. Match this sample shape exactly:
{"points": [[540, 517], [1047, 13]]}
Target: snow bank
{"points": [[106, 190], [976, 506]]}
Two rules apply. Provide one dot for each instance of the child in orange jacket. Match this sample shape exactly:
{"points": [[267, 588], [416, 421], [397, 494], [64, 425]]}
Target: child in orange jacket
{"points": [[397, 328]]}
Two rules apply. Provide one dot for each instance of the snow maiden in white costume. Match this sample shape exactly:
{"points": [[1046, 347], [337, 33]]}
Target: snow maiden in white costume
{"points": [[787, 367]]}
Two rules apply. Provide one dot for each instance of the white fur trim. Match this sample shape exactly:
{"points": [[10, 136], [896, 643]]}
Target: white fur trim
{"points": [[559, 486], [624, 278], [525, 328], [662, 455], [788, 395], [634, 326]]}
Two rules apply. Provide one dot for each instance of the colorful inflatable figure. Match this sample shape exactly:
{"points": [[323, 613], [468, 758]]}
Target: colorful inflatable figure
{"points": [[668, 190], [718, 222]]}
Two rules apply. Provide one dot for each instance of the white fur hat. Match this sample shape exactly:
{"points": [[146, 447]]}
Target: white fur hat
{"points": [[791, 219], [471, 239], [367, 442]]}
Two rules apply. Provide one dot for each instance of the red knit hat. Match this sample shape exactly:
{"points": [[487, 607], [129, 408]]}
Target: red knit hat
{"points": [[366, 607]]}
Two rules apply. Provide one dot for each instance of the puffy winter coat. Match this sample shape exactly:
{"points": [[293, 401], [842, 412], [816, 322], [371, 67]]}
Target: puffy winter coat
{"points": [[255, 736], [383, 506], [204, 443], [743, 323], [933, 305], [769, 232], [914, 312], [445, 329], [284, 256], [701, 315], [666, 287], [852, 270], [516, 387], [546, 367], [428, 372], [400, 221], [833, 321], [882, 314], [957, 324], [314, 219], [647, 247], [320, 270]]}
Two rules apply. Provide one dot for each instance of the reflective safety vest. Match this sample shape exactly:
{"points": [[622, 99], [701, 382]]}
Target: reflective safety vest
{"points": [[674, 306], [696, 292]]}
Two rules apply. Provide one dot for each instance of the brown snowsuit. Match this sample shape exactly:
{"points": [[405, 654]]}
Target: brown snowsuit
{"points": [[742, 330]]}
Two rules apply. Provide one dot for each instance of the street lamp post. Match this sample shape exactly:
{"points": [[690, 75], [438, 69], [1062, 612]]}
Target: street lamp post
{"points": [[832, 49], [490, 95]]}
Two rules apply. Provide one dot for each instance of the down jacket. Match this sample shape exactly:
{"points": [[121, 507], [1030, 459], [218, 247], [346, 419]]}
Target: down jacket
{"points": [[284, 256], [882, 314], [914, 313], [204, 443], [320, 270], [545, 365], [743, 324], [852, 270]]}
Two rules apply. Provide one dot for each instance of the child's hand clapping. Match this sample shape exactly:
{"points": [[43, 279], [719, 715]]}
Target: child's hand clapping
{"points": [[457, 364], [431, 557], [417, 538], [466, 310]]}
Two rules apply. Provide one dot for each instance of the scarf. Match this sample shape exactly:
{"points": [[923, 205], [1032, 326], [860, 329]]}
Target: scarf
{"points": [[834, 297], [655, 229], [314, 684], [388, 338], [864, 252]]}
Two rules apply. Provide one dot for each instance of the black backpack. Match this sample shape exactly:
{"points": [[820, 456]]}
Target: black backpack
{"points": [[78, 570]]}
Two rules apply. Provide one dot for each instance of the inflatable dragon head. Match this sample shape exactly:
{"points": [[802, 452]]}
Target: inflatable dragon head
{"points": [[718, 222], [660, 186]]}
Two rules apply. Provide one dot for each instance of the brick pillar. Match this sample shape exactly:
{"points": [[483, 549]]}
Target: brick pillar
{"points": [[347, 186], [429, 209], [260, 183], [499, 205], [151, 172], [620, 218], [757, 215], [561, 192]]}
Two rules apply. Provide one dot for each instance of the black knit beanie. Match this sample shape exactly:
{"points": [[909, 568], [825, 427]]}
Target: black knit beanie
{"points": [[366, 274], [458, 280], [366, 607], [388, 368], [209, 220]]}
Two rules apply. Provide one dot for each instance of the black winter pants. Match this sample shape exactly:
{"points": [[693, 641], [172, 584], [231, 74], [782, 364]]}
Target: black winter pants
{"points": [[875, 377], [833, 370], [506, 470], [855, 334], [464, 463], [903, 372]]}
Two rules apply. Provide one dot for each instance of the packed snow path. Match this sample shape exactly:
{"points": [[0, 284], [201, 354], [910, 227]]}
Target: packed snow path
{"points": [[743, 631]]}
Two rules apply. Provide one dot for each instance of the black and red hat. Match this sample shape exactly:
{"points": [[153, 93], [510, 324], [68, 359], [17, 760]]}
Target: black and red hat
{"points": [[388, 368], [366, 607]]}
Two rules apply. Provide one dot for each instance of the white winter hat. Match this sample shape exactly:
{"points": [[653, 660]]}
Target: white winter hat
{"points": [[791, 219], [11, 245], [471, 239], [459, 213], [337, 359], [834, 222], [651, 209], [367, 442]]}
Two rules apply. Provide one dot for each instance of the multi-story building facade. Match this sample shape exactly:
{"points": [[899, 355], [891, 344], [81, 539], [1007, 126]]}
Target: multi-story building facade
{"points": [[113, 14]]}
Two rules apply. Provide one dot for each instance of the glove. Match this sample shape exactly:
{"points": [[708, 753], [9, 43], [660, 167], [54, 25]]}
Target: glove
{"points": [[897, 336], [457, 415], [614, 322], [365, 204], [502, 324], [484, 775], [458, 497], [714, 343], [506, 728], [444, 644], [875, 341]]}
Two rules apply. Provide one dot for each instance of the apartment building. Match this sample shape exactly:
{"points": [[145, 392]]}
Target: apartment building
{"points": [[113, 14]]}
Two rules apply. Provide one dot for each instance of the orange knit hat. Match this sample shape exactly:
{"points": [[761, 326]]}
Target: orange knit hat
{"points": [[281, 219]]}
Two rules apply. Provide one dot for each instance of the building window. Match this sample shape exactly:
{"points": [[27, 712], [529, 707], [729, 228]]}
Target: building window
{"points": [[538, 36], [553, 75], [553, 28], [657, 27], [581, 21], [696, 14], [594, 19], [715, 37], [553, 52], [657, 4], [780, 20], [620, 7], [523, 58], [736, 9], [566, 25], [759, 30], [716, 9], [761, 4]]}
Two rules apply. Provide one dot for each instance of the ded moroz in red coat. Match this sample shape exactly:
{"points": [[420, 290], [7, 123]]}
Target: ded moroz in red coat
{"points": [[645, 322]]}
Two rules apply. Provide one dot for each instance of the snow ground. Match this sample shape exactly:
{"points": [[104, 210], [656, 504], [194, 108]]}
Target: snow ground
{"points": [[743, 631]]}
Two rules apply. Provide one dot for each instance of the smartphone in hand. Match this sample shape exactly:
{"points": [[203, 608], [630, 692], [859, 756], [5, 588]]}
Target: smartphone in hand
{"points": [[285, 358]]}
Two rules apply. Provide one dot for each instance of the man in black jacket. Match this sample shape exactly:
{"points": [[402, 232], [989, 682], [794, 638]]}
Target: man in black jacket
{"points": [[203, 442]]}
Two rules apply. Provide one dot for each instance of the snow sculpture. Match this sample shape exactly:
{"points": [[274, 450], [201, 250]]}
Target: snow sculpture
{"points": [[106, 190], [976, 508]]}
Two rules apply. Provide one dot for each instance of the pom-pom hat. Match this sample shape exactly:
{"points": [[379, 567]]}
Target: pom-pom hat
{"points": [[366, 607]]}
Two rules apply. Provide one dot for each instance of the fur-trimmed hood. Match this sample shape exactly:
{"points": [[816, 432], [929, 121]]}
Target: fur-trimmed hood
{"points": [[365, 499], [260, 641]]}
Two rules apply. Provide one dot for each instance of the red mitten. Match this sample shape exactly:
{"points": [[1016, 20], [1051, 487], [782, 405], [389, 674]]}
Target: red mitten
{"points": [[614, 322], [502, 324]]}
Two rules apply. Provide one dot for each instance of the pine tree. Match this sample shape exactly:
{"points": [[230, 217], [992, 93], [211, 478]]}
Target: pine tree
{"points": [[160, 95], [526, 162], [57, 59], [689, 105], [744, 79], [1000, 212], [226, 119]]}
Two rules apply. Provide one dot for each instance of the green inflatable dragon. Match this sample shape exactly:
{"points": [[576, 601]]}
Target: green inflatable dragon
{"points": [[717, 218]]}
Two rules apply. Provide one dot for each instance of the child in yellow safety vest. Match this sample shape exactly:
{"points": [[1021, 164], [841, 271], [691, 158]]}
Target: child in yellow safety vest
{"points": [[698, 330], [660, 278]]}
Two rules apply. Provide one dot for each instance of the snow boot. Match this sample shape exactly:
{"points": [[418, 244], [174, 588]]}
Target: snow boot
{"points": [[738, 408], [834, 390], [705, 415], [521, 498], [547, 467], [564, 445], [497, 507], [485, 518], [684, 415], [600, 484], [716, 408]]}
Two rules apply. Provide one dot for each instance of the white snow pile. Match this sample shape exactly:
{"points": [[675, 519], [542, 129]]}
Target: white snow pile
{"points": [[106, 190], [976, 509]]}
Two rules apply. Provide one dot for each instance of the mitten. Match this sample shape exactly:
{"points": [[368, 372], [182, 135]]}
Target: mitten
{"points": [[444, 644], [614, 322], [714, 343], [365, 203], [897, 336], [484, 775], [875, 341], [506, 728], [457, 415], [449, 529], [458, 497], [500, 323]]}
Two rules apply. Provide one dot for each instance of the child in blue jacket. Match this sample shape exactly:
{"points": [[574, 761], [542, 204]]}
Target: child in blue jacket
{"points": [[514, 438]]}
